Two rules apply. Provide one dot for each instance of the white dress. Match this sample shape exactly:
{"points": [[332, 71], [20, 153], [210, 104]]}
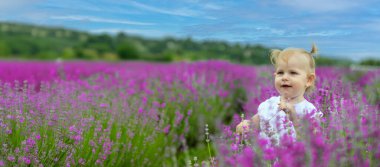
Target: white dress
{"points": [[274, 123]]}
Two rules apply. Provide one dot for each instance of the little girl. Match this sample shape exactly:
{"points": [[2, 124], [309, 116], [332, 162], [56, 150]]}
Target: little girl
{"points": [[279, 115]]}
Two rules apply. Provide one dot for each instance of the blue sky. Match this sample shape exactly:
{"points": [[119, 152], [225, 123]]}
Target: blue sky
{"points": [[340, 28]]}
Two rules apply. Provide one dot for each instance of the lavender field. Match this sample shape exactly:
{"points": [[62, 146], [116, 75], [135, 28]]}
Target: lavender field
{"points": [[178, 114]]}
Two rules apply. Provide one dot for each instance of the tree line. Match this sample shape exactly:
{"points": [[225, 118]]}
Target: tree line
{"points": [[25, 41]]}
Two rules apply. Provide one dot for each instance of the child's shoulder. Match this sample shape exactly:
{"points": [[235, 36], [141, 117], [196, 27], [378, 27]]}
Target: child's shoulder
{"points": [[269, 101], [273, 99]]}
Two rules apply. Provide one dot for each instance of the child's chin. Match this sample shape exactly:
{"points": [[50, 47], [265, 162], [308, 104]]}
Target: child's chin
{"points": [[285, 95]]}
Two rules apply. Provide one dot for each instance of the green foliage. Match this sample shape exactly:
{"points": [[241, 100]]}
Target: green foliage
{"points": [[4, 49], [324, 61], [368, 62], [37, 42], [128, 51]]}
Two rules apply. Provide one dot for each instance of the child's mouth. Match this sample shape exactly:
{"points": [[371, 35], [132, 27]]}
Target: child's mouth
{"points": [[286, 86]]}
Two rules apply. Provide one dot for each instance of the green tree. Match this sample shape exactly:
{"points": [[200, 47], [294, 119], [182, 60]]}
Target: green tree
{"points": [[370, 62], [68, 53], [128, 51], [4, 49]]}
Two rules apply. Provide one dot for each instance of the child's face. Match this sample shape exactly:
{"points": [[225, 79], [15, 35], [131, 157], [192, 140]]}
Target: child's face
{"points": [[293, 77]]}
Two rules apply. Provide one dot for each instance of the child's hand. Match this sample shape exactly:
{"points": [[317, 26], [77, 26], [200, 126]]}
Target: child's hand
{"points": [[286, 107], [242, 127], [289, 110]]}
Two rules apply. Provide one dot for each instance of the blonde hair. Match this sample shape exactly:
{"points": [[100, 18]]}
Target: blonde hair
{"points": [[285, 54]]}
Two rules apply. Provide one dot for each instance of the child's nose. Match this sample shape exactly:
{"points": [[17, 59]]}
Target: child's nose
{"points": [[285, 77]]}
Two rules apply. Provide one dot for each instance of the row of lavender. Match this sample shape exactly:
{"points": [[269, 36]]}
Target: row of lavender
{"points": [[144, 114], [110, 113]]}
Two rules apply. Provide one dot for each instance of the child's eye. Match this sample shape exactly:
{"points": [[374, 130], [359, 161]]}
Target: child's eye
{"points": [[293, 73], [280, 72]]}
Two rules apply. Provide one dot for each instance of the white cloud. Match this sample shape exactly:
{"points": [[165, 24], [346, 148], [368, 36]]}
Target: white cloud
{"points": [[212, 6], [204, 5], [97, 19], [90, 7], [177, 12], [327, 33], [144, 32], [322, 5]]}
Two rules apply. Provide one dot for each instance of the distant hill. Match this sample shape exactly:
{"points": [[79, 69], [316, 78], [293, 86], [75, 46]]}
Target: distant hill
{"points": [[25, 41]]}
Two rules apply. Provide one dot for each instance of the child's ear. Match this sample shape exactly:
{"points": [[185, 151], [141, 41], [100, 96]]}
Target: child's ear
{"points": [[310, 79]]}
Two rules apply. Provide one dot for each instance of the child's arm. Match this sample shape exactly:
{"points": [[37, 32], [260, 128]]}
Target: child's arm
{"points": [[256, 122], [244, 125]]}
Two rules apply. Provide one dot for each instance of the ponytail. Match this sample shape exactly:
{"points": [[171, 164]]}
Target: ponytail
{"points": [[314, 50], [274, 55]]}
